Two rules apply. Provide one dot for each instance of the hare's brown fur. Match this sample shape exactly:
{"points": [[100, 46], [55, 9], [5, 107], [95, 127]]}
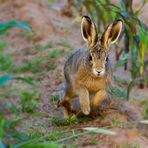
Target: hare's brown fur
{"points": [[87, 72]]}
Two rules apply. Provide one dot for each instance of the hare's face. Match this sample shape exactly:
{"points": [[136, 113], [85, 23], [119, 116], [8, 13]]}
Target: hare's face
{"points": [[98, 50], [98, 59]]}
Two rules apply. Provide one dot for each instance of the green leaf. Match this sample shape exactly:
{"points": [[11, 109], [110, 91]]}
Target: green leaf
{"points": [[54, 54], [40, 115], [40, 145], [130, 86], [28, 80], [117, 92], [1, 130], [7, 25], [3, 45], [4, 79], [100, 130], [122, 61], [10, 124]]}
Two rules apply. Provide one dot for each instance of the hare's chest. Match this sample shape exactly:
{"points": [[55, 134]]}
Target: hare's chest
{"points": [[92, 84]]}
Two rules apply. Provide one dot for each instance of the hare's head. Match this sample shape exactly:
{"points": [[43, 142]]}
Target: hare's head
{"points": [[99, 49]]}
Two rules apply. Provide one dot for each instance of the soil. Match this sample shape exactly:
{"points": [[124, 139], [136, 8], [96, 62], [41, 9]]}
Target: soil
{"points": [[62, 30]]}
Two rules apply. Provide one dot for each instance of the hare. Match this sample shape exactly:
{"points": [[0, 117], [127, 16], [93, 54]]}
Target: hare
{"points": [[87, 71]]}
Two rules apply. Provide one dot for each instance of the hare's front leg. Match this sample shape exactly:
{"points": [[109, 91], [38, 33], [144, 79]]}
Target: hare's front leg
{"points": [[98, 98], [84, 100]]}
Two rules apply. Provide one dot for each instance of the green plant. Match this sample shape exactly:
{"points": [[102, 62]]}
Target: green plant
{"points": [[4, 79], [42, 48], [43, 63], [3, 45], [1, 131], [6, 64], [135, 34], [144, 105], [29, 100], [28, 34]]}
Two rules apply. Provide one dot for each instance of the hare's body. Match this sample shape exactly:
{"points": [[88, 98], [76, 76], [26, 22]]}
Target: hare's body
{"points": [[77, 72], [87, 71]]}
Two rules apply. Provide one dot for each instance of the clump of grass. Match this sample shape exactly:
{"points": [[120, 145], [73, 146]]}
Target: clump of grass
{"points": [[70, 121], [51, 2], [116, 122], [42, 64], [42, 48], [28, 34], [6, 64], [29, 100], [144, 105], [3, 45], [33, 66], [55, 135], [65, 44]]}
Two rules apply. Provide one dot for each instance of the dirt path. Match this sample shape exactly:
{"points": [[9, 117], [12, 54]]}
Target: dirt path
{"points": [[52, 39]]}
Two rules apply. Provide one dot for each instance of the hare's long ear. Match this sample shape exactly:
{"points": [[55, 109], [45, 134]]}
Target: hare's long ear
{"points": [[111, 33], [89, 32]]}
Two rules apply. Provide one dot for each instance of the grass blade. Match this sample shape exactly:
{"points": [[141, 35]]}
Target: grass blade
{"points": [[28, 80], [100, 130]]}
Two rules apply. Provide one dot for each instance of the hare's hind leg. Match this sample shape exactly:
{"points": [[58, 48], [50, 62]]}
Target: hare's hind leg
{"points": [[67, 107], [84, 100], [98, 98]]}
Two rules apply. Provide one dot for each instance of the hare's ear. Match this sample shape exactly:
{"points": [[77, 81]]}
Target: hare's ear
{"points": [[111, 33], [89, 32]]}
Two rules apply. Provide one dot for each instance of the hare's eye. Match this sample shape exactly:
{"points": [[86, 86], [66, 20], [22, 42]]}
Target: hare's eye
{"points": [[106, 59], [90, 58]]}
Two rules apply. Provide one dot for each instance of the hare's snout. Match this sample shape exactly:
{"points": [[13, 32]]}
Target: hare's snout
{"points": [[99, 72]]}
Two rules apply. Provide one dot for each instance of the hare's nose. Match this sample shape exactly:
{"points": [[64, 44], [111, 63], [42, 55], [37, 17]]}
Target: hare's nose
{"points": [[99, 71]]}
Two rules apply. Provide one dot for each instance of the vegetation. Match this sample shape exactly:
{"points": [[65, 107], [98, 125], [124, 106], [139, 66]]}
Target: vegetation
{"points": [[27, 122], [135, 35]]}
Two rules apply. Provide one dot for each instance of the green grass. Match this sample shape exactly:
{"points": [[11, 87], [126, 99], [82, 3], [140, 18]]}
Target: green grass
{"points": [[6, 63], [115, 122], [29, 100], [51, 2], [130, 145], [42, 64], [65, 44], [28, 34], [3, 45], [42, 48], [144, 105]]}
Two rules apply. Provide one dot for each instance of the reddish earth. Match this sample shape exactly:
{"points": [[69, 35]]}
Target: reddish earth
{"points": [[63, 32]]}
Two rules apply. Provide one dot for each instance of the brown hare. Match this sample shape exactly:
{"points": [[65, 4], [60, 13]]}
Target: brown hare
{"points": [[87, 71]]}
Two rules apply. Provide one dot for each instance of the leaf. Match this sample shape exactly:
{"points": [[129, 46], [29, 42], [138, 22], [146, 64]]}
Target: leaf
{"points": [[28, 80], [41, 145], [130, 86], [54, 54], [100, 130], [7, 25], [10, 124], [3, 44], [122, 61], [4, 79], [1, 130], [117, 92], [144, 121], [39, 114]]}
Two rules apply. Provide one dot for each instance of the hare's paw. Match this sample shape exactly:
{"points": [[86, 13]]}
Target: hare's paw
{"points": [[86, 109], [69, 114], [66, 113]]}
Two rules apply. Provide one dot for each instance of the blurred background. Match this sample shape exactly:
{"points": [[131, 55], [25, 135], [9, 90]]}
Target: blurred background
{"points": [[36, 38]]}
